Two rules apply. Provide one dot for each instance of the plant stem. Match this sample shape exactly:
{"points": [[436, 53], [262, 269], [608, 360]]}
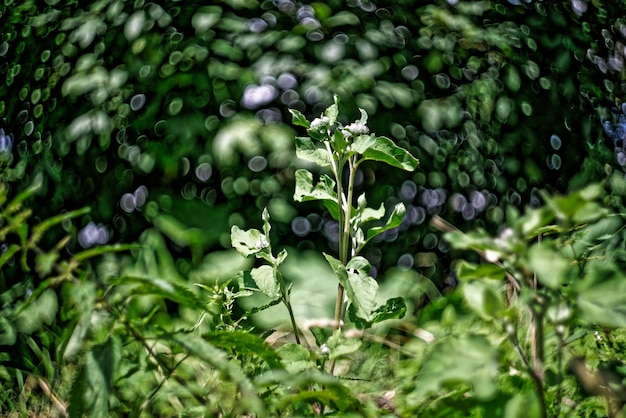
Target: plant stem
{"points": [[285, 293]]}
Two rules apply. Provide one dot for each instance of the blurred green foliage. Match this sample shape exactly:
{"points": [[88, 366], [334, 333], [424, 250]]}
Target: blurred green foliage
{"points": [[157, 115], [169, 124]]}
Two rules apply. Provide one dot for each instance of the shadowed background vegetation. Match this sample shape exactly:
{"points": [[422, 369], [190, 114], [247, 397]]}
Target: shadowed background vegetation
{"points": [[163, 125]]}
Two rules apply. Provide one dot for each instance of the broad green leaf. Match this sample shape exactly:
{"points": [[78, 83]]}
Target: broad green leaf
{"points": [[296, 358], [469, 359], [384, 150], [550, 266], [299, 119], [341, 346], [338, 141], [324, 190], [265, 279], [477, 240], [362, 143], [307, 150], [394, 220], [361, 289], [466, 271], [248, 242], [394, 308], [245, 343], [578, 207], [484, 299], [368, 214], [604, 303], [359, 264]]}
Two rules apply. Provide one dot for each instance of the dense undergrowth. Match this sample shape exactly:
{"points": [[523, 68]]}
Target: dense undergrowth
{"points": [[285, 208]]}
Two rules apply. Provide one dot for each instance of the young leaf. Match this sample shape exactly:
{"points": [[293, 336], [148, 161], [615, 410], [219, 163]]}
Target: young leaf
{"points": [[295, 358], [248, 242], [332, 111], [362, 143], [360, 287], [394, 308], [307, 150], [265, 280], [324, 191], [299, 119], [394, 220], [384, 150], [341, 346]]}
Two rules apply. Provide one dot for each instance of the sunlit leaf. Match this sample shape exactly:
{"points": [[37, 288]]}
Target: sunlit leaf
{"points": [[394, 220], [266, 281], [340, 345], [360, 287], [386, 151], [295, 358], [299, 119], [248, 242], [307, 150], [324, 190]]}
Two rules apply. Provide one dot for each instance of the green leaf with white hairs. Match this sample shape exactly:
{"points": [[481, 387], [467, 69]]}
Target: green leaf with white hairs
{"points": [[332, 111], [265, 279], [324, 190], [363, 119], [360, 287], [309, 151], [341, 346], [299, 119], [386, 151], [394, 308], [363, 143], [248, 242]]}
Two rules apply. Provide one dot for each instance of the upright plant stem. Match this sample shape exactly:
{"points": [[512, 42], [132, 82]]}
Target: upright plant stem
{"points": [[287, 303]]}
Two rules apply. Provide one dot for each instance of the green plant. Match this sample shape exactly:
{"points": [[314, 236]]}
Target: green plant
{"points": [[539, 328], [343, 149]]}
